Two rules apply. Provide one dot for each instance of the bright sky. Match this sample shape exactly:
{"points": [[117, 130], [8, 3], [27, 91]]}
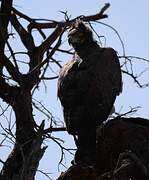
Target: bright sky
{"points": [[129, 18]]}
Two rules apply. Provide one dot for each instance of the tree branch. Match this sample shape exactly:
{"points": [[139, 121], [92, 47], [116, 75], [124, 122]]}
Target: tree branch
{"points": [[25, 36], [22, 15], [51, 129], [5, 11], [135, 79], [27, 18], [36, 58], [12, 55], [50, 55], [53, 24], [16, 75], [4, 90], [50, 40]]}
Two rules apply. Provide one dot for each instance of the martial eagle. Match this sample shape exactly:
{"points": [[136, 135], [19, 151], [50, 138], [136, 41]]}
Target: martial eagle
{"points": [[87, 88]]}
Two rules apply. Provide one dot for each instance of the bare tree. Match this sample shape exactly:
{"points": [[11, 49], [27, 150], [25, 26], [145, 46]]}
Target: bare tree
{"points": [[17, 86]]}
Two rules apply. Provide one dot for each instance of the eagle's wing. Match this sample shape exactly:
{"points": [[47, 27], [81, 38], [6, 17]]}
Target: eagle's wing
{"points": [[67, 84], [106, 82], [69, 95]]}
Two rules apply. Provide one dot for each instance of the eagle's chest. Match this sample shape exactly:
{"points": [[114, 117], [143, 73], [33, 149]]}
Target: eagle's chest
{"points": [[80, 74]]}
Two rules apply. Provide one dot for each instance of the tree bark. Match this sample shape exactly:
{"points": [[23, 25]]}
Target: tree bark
{"points": [[23, 161]]}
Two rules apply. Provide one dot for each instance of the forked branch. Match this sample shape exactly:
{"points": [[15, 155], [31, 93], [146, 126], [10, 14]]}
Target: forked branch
{"points": [[100, 15]]}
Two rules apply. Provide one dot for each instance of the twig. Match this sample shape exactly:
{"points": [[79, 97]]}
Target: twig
{"points": [[64, 51], [132, 110], [44, 173], [118, 35], [62, 149], [49, 78], [134, 78], [135, 57], [56, 62], [51, 129]]}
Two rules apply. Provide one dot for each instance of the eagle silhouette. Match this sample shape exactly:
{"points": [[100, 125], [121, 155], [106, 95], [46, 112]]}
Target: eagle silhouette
{"points": [[87, 89]]}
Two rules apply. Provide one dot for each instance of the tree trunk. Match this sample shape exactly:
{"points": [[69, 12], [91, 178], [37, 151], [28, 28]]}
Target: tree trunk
{"points": [[23, 161]]}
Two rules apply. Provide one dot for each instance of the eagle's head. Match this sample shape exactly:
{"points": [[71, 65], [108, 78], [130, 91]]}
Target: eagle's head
{"points": [[79, 34]]}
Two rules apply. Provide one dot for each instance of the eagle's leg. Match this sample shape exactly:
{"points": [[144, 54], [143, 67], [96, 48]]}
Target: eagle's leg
{"points": [[86, 144]]}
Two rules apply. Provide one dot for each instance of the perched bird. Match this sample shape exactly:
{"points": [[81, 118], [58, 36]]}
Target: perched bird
{"points": [[87, 88]]}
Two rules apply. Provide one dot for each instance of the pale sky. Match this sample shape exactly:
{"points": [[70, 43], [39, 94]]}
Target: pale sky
{"points": [[129, 18]]}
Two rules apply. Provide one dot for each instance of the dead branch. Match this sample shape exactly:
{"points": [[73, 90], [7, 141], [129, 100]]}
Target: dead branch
{"points": [[41, 108], [100, 15], [12, 70], [13, 56], [25, 36], [49, 78], [51, 129], [117, 33], [50, 40], [135, 78], [43, 47], [27, 18], [135, 57], [128, 113], [61, 147], [5, 12], [64, 51], [44, 173], [20, 14], [4, 20], [5, 90]]}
